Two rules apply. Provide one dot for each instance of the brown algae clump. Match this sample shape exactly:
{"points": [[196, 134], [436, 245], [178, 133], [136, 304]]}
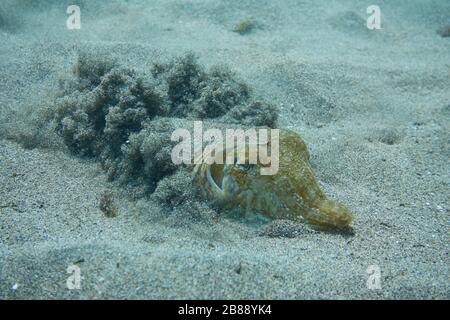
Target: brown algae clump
{"points": [[107, 205], [244, 26], [444, 31]]}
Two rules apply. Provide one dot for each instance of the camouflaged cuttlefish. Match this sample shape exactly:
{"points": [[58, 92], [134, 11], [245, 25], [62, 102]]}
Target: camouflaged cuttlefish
{"points": [[292, 193]]}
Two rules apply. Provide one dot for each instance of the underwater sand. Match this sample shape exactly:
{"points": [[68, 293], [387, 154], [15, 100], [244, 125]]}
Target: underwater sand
{"points": [[372, 105]]}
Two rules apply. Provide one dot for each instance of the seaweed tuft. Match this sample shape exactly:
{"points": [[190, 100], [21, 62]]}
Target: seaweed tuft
{"points": [[244, 26], [125, 119]]}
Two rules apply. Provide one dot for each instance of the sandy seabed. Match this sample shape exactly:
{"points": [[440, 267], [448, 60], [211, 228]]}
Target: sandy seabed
{"points": [[372, 105]]}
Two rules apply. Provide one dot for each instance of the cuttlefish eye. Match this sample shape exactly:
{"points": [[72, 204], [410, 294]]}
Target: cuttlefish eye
{"points": [[244, 167]]}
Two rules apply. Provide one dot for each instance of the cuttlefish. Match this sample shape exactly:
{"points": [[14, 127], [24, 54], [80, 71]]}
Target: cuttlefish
{"points": [[291, 193]]}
